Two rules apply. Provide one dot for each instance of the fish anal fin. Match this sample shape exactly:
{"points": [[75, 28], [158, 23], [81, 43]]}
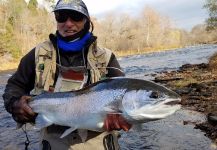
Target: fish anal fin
{"points": [[83, 134], [68, 131]]}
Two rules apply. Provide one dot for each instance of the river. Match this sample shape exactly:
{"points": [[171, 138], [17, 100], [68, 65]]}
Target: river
{"points": [[165, 134]]}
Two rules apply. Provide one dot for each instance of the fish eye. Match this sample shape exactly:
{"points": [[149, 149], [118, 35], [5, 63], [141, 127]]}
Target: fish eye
{"points": [[155, 94]]}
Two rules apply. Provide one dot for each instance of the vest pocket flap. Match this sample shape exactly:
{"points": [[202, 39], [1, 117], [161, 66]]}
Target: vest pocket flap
{"points": [[43, 74], [48, 74], [47, 46], [45, 61], [99, 52], [44, 49]]}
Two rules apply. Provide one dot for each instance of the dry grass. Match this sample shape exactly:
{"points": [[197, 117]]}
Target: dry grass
{"points": [[184, 82], [8, 66], [122, 53]]}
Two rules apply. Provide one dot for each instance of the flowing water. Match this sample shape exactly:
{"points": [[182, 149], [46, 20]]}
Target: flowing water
{"points": [[165, 134]]}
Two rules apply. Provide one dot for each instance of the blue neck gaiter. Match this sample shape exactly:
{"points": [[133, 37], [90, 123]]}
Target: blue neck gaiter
{"points": [[73, 46]]}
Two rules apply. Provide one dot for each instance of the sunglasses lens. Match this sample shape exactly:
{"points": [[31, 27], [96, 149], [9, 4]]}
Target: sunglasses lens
{"points": [[62, 16], [76, 16]]}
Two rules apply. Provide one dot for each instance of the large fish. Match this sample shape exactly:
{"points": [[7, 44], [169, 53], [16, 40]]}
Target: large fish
{"points": [[138, 101]]}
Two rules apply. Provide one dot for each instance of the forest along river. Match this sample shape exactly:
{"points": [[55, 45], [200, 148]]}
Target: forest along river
{"points": [[165, 134]]}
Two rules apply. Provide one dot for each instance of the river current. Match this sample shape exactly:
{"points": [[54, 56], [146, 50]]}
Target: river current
{"points": [[165, 134]]}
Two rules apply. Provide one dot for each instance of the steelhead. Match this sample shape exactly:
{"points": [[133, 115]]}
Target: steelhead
{"points": [[138, 101]]}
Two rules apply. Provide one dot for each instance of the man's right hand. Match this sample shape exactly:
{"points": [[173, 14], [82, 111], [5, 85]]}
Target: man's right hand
{"points": [[21, 111]]}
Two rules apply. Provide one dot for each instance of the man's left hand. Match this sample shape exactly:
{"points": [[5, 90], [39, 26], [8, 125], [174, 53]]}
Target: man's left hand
{"points": [[116, 122]]}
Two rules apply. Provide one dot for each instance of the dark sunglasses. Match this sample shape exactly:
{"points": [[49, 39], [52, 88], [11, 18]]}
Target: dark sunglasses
{"points": [[63, 15]]}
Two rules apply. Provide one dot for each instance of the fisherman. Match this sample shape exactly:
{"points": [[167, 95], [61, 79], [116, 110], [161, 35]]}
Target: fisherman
{"points": [[69, 60]]}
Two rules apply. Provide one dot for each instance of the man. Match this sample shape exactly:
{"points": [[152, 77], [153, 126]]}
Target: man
{"points": [[68, 61]]}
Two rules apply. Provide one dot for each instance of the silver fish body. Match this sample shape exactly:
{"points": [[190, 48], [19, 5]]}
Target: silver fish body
{"points": [[138, 101]]}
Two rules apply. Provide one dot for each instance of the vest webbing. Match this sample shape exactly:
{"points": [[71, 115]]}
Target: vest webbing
{"points": [[45, 60]]}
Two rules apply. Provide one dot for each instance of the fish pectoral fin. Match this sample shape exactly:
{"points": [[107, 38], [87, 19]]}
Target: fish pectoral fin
{"points": [[113, 108], [42, 121], [83, 134], [68, 131]]}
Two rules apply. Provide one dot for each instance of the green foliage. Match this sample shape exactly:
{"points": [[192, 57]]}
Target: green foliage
{"points": [[10, 17], [51, 1], [33, 4], [22, 26], [16, 7], [8, 44], [211, 6]]}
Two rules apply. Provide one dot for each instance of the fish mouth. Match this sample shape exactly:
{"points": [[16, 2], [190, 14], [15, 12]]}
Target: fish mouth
{"points": [[174, 102]]}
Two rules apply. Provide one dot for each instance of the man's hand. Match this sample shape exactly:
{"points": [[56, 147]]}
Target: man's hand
{"points": [[21, 111], [116, 122]]}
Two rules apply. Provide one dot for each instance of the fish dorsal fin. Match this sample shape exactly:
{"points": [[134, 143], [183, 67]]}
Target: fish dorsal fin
{"points": [[68, 131], [83, 134], [42, 121]]}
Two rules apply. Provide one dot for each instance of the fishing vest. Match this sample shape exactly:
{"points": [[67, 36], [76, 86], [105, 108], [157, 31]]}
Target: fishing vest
{"points": [[45, 60]]}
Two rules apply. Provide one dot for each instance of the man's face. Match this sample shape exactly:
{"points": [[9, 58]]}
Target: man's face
{"points": [[69, 22]]}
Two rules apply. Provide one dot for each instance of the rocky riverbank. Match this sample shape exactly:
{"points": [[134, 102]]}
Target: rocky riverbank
{"points": [[197, 85]]}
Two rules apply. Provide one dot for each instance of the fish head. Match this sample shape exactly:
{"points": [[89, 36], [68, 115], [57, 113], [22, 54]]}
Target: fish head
{"points": [[149, 104]]}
